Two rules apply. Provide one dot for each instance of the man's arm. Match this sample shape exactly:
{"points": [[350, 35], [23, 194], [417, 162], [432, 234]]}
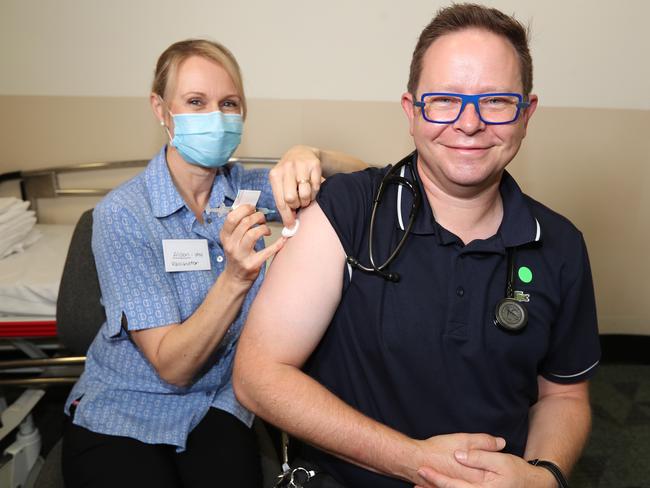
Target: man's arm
{"points": [[560, 422], [558, 429], [287, 320]]}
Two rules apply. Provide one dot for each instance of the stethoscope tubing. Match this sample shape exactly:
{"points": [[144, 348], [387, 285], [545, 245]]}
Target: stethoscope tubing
{"points": [[510, 314]]}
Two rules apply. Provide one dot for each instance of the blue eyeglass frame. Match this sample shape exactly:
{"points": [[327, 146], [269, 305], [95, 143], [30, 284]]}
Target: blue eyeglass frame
{"points": [[473, 99]]}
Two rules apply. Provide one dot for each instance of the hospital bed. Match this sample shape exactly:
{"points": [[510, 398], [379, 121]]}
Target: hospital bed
{"points": [[29, 280], [33, 352], [29, 283]]}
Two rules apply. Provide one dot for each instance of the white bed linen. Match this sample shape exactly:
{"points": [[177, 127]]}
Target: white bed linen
{"points": [[29, 281]]}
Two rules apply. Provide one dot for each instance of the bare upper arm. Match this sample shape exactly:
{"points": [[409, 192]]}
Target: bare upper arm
{"points": [[299, 296], [549, 388]]}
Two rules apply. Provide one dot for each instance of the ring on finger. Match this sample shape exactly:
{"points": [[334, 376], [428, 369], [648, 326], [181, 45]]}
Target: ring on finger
{"points": [[304, 180]]}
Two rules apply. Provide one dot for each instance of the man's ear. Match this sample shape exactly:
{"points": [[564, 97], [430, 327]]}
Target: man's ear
{"points": [[409, 109], [530, 110]]}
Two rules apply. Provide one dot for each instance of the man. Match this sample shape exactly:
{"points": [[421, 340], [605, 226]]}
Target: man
{"points": [[404, 373]]}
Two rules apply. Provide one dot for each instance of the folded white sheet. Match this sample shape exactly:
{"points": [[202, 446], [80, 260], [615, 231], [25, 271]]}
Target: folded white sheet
{"points": [[13, 234], [7, 203], [19, 242], [29, 281], [16, 225], [14, 210]]}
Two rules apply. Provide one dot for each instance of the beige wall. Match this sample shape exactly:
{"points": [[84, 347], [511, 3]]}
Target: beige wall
{"points": [[588, 164], [75, 76], [588, 53]]}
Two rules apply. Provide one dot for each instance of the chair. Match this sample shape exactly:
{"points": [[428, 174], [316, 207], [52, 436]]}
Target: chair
{"points": [[79, 316]]}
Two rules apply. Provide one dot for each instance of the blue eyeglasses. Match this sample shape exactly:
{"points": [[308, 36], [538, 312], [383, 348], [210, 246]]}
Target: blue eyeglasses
{"points": [[492, 108]]}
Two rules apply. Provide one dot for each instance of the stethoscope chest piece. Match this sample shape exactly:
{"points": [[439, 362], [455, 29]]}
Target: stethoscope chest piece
{"points": [[510, 315]]}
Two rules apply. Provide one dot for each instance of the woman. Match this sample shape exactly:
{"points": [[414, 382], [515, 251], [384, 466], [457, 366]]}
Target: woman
{"points": [[155, 405]]}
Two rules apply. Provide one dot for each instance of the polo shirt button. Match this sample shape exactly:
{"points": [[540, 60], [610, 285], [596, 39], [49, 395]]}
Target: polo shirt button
{"points": [[209, 220], [460, 291], [219, 259]]}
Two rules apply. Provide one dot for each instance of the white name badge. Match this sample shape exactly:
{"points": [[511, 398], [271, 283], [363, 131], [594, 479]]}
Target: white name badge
{"points": [[186, 254]]}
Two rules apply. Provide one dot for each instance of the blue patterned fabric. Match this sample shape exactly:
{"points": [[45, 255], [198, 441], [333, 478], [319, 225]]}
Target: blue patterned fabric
{"points": [[120, 391]]}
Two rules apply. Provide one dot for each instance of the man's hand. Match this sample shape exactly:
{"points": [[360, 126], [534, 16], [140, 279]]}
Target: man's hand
{"points": [[438, 455], [500, 471]]}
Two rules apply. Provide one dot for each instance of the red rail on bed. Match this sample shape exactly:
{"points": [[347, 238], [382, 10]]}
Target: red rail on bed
{"points": [[28, 328]]}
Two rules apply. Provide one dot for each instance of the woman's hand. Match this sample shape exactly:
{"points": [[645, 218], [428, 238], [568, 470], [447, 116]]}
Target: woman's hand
{"points": [[295, 181], [179, 354], [297, 177], [241, 230]]}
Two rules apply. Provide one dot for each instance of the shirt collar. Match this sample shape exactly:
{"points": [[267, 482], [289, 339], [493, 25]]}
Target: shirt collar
{"points": [[518, 226], [425, 222], [165, 198]]}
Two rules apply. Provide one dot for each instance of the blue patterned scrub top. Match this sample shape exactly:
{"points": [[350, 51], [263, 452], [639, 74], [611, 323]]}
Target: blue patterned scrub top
{"points": [[120, 392]]}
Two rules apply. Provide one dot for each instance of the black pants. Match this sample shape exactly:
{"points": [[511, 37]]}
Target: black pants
{"points": [[221, 452]]}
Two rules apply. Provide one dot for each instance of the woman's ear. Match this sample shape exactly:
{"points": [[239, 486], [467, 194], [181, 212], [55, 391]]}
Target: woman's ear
{"points": [[158, 108]]}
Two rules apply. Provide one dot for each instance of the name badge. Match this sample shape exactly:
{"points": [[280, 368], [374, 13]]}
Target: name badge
{"points": [[186, 254]]}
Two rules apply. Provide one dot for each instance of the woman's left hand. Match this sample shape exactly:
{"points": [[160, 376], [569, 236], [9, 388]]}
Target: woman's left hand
{"points": [[295, 181]]}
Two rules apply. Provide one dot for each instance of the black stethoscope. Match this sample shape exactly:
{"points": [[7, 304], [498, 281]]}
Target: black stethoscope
{"points": [[510, 314]]}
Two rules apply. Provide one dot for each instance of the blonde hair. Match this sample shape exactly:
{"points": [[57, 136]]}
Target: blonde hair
{"points": [[174, 55]]}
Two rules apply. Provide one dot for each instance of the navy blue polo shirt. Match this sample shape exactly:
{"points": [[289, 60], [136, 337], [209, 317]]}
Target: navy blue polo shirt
{"points": [[423, 355]]}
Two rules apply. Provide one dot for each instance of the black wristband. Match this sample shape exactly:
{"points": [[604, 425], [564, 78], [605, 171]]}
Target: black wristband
{"points": [[554, 469]]}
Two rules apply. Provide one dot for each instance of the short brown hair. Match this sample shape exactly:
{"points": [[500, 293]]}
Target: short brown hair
{"points": [[174, 55], [469, 15]]}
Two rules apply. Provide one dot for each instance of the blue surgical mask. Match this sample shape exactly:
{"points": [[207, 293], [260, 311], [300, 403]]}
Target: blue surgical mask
{"points": [[207, 140]]}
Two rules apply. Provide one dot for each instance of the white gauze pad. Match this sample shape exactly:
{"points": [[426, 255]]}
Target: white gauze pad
{"points": [[286, 232]]}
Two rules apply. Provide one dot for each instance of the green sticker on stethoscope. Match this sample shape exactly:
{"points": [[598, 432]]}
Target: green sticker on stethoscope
{"points": [[525, 274]]}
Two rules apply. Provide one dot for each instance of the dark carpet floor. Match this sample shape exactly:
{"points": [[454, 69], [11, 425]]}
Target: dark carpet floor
{"points": [[618, 453]]}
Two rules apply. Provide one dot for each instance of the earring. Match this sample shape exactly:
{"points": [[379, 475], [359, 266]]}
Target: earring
{"points": [[162, 123]]}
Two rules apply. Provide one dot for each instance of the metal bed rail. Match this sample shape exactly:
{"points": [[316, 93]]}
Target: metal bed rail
{"points": [[44, 183], [43, 372]]}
